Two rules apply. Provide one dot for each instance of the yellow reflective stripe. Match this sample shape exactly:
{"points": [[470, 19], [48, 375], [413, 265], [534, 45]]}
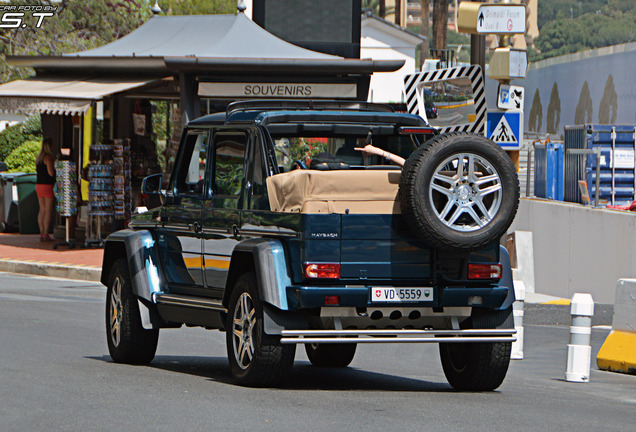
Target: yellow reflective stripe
{"points": [[223, 264], [217, 263], [192, 262]]}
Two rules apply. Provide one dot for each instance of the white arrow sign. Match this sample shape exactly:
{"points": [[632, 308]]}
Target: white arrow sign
{"points": [[501, 19], [510, 96]]}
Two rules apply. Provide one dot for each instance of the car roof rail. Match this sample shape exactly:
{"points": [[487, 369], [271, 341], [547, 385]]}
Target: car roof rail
{"points": [[294, 104]]}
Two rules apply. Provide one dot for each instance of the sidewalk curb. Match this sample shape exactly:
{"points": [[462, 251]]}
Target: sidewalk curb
{"points": [[618, 353], [44, 268]]}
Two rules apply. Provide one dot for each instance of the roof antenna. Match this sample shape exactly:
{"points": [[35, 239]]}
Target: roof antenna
{"points": [[156, 10], [241, 6]]}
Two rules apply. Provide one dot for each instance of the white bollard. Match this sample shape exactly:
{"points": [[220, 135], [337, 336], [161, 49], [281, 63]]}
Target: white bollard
{"points": [[517, 311], [579, 349]]}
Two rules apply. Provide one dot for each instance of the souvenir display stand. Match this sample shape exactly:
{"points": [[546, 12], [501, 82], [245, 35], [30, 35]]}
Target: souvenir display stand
{"points": [[100, 191], [66, 196], [122, 179]]}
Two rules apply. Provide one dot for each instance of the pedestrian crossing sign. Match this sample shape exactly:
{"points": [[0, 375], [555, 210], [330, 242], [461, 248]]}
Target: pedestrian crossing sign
{"points": [[505, 128]]}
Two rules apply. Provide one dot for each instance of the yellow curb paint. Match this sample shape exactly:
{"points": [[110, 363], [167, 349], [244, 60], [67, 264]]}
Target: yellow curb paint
{"points": [[562, 302], [455, 106], [618, 353]]}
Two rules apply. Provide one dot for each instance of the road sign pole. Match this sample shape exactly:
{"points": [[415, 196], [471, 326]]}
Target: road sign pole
{"points": [[478, 52], [503, 19]]}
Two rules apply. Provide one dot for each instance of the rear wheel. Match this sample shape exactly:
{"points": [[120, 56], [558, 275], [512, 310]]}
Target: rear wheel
{"points": [[128, 341], [478, 366], [256, 358], [331, 355]]}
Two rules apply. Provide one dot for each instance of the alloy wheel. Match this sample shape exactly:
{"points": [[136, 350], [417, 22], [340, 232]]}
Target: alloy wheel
{"points": [[116, 312], [466, 192], [243, 330]]}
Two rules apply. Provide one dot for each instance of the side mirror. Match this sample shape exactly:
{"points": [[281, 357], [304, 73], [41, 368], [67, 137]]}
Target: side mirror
{"points": [[151, 185]]}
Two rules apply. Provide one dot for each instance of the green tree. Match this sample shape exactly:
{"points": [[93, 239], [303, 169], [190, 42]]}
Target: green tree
{"points": [[378, 7], [76, 25], [14, 136], [79, 25], [22, 158], [197, 7], [568, 26]]}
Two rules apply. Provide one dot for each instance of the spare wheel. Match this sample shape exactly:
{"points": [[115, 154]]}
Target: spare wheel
{"points": [[459, 191]]}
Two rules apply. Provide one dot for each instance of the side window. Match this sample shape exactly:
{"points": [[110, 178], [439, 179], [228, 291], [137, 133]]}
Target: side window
{"points": [[229, 150], [256, 172], [191, 176]]}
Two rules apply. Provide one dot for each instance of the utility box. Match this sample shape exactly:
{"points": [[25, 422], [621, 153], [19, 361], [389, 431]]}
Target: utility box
{"points": [[548, 174]]}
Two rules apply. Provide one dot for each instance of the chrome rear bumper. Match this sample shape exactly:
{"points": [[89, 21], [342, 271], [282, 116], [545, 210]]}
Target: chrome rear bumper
{"points": [[397, 336]]}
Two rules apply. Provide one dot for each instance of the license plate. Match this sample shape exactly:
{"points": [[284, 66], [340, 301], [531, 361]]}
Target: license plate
{"points": [[401, 295]]}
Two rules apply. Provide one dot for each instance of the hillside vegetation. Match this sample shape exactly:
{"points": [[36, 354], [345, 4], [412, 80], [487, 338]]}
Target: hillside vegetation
{"points": [[569, 26]]}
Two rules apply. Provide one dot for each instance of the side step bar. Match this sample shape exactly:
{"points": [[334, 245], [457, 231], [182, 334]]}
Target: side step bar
{"points": [[397, 336], [189, 301]]}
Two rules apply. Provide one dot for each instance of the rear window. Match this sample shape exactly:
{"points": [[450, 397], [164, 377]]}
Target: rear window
{"points": [[290, 148]]}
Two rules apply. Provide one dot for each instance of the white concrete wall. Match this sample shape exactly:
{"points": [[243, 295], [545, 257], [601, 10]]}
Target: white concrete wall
{"points": [[577, 248]]}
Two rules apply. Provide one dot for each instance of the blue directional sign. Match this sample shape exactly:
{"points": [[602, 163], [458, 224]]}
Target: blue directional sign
{"points": [[505, 128]]}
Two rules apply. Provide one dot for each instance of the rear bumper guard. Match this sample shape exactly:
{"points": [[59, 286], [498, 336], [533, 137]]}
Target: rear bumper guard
{"points": [[397, 336]]}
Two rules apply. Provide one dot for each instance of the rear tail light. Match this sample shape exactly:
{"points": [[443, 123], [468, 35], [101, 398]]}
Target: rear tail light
{"points": [[484, 271], [416, 130], [322, 271]]}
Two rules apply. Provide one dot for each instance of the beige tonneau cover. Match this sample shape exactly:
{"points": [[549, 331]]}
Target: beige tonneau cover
{"points": [[335, 191]]}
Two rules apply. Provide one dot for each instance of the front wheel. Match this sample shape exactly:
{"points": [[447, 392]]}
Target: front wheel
{"points": [[256, 359], [331, 355], [478, 366], [128, 341]]}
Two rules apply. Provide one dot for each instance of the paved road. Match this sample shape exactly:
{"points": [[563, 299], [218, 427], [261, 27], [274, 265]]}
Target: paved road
{"points": [[55, 374]]}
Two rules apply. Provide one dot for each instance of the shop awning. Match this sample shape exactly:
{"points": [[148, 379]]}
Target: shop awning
{"points": [[58, 95]]}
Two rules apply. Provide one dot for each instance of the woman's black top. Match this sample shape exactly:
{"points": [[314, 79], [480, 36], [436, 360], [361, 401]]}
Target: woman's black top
{"points": [[43, 176]]}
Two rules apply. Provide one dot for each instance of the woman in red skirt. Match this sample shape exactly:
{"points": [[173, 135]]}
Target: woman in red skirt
{"points": [[45, 169]]}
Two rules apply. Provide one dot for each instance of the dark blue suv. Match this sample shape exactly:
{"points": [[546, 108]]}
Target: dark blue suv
{"points": [[250, 241]]}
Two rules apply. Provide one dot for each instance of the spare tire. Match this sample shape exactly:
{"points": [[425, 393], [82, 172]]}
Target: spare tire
{"points": [[459, 191]]}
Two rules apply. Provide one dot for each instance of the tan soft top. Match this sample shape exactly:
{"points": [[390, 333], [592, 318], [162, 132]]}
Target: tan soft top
{"points": [[335, 191]]}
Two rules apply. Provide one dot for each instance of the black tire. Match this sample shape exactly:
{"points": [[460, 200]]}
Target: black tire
{"points": [[256, 359], [449, 209], [478, 366], [128, 341], [331, 355]]}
